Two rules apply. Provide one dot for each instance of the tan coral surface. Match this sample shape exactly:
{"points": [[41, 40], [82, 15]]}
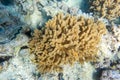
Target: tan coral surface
{"points": [[109, 9], [65, 40]]}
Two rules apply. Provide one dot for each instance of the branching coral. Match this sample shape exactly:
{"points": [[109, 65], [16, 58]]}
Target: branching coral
{"points": [[109, 9], [65, 40]]}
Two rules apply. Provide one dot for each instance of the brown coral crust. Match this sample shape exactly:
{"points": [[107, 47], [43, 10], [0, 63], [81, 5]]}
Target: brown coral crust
{"points": [[65, 40], [109, 9]]}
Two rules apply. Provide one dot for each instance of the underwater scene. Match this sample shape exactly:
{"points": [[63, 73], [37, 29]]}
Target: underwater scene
{"points": [[59, 39]]}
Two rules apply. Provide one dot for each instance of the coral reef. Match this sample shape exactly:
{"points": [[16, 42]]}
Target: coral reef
{"points": [[55, 47], [109, 47], [65, 40], [19, 66], [36, 12], [109, 9], [75, 72], [109, 54], [78, 72], [51, 8], [30, 14]]}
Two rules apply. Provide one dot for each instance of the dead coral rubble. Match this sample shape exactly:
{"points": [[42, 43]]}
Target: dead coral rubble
{"points": [[65, 40], [109, 9]]}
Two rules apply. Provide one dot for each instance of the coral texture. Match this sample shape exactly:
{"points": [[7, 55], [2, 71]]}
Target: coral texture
{"points": [[65, 40], [109, 9]]}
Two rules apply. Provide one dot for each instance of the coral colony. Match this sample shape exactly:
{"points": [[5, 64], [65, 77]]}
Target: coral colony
{"points": [[65, 40], [59, 39], [109, 9]]}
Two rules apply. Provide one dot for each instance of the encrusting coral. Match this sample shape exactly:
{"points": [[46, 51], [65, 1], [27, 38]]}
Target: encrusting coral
{"points": [[109, 9], [65, 40]]}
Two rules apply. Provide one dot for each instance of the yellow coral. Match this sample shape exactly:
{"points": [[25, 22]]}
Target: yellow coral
{"points": [[109, 9], [65, 40]]}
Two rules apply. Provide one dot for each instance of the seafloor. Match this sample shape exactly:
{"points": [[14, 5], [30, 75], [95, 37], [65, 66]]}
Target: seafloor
{"points": [[18, 20]]}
